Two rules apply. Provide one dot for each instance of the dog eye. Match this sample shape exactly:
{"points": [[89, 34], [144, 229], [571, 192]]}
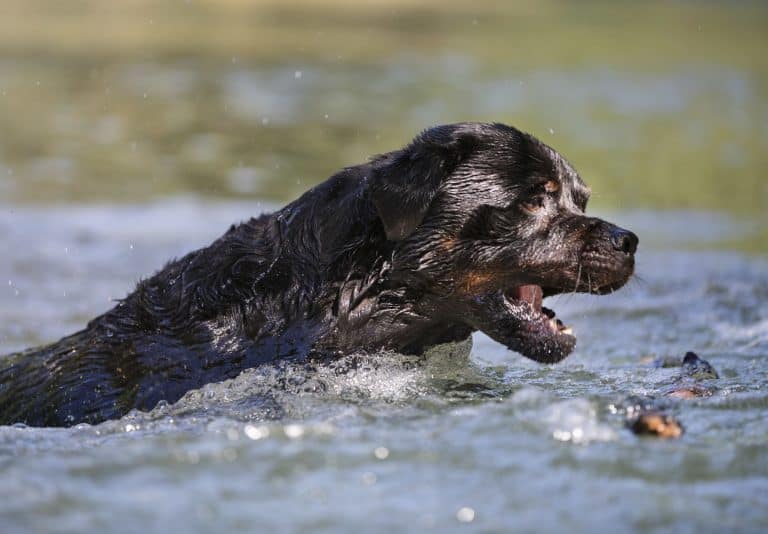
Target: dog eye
{"points": [[534, 204], [539, 194]]}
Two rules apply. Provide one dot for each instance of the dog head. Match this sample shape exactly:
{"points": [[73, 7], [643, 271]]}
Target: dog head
{"points": [[483, 208]]}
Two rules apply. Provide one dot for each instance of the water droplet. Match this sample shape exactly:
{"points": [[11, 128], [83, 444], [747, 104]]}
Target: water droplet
{"points": [[382, 453], [552, 131], [297, 74], [256, 432], [465, 515], [294, 431]]}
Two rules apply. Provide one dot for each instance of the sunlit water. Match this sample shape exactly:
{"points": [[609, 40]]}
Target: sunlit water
{"points": [[486, 440], [688, 136]]}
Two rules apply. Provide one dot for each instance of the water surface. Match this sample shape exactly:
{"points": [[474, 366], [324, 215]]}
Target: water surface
{"points": [[487, 436]]}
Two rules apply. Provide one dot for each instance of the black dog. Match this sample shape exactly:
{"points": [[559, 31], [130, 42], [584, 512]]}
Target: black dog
{"points": [[467, 228]]}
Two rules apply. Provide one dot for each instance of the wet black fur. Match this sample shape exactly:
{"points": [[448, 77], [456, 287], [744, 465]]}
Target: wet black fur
{"points": [[415, 248]]}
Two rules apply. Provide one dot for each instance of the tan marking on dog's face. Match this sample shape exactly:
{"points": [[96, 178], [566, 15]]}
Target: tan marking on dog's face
{"points": [[447, 244], [475, 282], [551, 186]]}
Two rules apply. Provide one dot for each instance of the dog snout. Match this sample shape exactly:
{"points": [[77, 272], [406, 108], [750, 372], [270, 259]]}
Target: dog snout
{"points": [[624, 240]]}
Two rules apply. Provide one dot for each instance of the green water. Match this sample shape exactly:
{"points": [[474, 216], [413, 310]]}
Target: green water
{"points": [[662, 105]]}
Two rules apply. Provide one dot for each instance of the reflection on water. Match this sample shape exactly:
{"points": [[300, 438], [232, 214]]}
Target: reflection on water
{"points": [[264, 100], [137, 130]]}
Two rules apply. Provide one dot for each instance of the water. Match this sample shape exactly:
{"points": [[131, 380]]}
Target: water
{"points": [[396, 443]]}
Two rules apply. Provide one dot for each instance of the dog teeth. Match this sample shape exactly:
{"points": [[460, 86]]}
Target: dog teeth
{"points": [[556, 325]]}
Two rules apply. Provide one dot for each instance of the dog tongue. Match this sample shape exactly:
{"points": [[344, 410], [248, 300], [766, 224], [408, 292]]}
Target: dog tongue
{"points": [[531, 294]]}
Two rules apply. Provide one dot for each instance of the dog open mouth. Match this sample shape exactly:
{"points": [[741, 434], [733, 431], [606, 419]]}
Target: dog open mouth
{"points": [[533, 295], [541, 336]]}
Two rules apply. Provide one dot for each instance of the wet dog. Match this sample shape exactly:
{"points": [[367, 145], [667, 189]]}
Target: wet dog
{"points": [[466, 228]]}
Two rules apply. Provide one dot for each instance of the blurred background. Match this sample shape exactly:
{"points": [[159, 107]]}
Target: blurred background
{"points": [[658, 104]]}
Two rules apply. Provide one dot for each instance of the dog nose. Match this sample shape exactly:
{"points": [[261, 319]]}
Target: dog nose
{"points": [[624, 240]]}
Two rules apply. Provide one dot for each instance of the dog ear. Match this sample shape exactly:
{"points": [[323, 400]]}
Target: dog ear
{"points": [[404, 182]]}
